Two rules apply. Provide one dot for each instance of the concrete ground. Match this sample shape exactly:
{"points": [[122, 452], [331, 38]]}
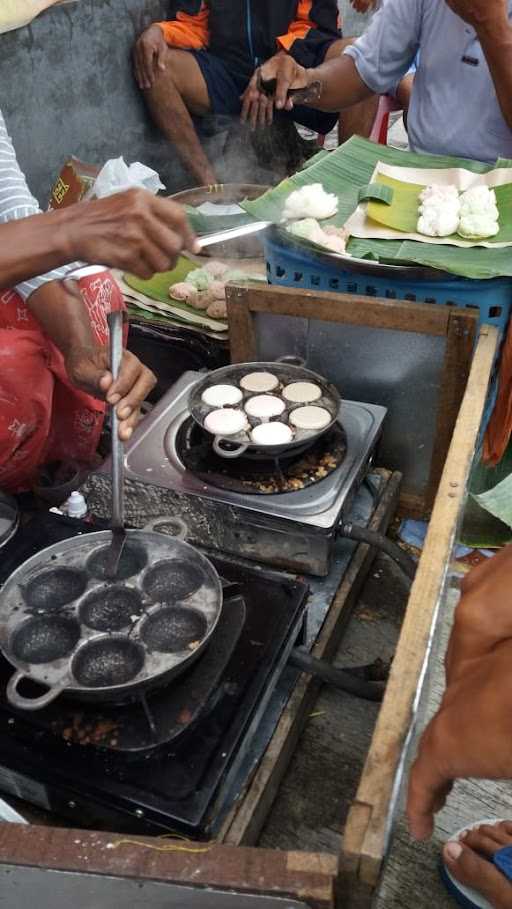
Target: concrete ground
{"points": [[312, 804]]}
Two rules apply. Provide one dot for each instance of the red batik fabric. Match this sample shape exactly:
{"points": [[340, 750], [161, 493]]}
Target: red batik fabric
{"points": [[43, 417]]}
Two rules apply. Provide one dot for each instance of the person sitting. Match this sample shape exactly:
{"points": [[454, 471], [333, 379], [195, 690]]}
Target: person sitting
{"points": [[205, 58], [461, 101], [54, 372]]}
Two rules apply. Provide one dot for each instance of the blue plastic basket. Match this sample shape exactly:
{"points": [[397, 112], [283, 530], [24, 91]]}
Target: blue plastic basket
{"points": [[291, 266]]}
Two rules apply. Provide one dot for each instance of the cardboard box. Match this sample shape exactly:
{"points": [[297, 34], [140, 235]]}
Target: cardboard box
{"points": [[73, 183]]}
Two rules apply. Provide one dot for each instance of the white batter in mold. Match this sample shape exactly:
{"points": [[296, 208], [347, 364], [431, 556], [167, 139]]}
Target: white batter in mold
{"points": [[310, 417]]}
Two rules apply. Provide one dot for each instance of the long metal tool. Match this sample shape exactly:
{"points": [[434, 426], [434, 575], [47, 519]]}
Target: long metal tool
{"points": [[118, 531], [220, 236]]}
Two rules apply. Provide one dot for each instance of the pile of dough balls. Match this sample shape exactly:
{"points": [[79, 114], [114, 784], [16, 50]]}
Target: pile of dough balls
{"points": [[205, 288]]}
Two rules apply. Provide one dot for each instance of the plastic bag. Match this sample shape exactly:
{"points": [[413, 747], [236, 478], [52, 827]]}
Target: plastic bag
{"points": [[116, 176], [17, 13]]}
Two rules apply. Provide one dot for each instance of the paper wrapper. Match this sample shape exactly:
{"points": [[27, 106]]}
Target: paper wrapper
{"points": [[362, 226]]}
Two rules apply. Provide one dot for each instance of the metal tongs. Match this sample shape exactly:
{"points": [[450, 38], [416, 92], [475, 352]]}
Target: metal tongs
{"points": [[115, 321]]}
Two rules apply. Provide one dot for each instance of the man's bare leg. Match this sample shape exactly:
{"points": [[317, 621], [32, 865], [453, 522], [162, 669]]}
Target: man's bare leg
{"points": [[179, 91], [357, 120]]}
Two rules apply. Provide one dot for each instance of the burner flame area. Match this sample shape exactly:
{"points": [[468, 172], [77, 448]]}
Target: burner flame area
{"points": [[259, 475]]}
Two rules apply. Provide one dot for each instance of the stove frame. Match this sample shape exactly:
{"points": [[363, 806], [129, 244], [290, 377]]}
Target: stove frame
{"points": [[51, 862], [295, 531]]}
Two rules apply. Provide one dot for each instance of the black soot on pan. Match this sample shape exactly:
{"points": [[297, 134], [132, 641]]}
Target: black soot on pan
{"points": [[172, 581], [107, 662], [44, 639], [111, 608], [173, 628], [133, 560], [54, 588]]}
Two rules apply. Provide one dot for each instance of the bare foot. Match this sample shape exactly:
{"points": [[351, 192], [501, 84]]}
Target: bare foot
{"points": [[468, 861]]}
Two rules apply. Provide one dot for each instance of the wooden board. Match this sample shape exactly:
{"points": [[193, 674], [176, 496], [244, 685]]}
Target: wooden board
{"points": [[457, 326], [368, 825], [296, 875], [247, 821]]}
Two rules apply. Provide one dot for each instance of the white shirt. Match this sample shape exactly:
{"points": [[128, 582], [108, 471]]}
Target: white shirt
{"points": [[454, 108]]}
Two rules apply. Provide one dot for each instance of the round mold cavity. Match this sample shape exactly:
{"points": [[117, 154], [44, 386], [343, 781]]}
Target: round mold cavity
{"points": [[172, 581], [53, 588], [173, 628], [111, 608], [106, 662], [133, 560], [44, 639]]}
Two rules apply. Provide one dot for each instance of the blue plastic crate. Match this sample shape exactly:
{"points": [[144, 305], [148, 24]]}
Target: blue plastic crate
{"points": [[290, 266]]}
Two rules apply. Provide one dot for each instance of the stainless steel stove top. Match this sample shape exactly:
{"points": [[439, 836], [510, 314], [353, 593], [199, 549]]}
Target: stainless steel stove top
{"points": [[153, 459]]}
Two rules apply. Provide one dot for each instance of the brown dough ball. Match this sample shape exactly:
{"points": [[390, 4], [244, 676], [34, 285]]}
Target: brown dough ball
{"points": [[217, 309]]}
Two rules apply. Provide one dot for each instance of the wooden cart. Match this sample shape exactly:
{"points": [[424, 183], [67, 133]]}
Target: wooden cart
{"points": [[59, 867]]}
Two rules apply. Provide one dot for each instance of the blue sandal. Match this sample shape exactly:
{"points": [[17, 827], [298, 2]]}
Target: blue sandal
{"points": [[466, 896]]}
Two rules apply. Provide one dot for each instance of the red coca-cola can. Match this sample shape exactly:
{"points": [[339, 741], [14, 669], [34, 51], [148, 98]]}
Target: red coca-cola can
{"points": [[101, 295]]}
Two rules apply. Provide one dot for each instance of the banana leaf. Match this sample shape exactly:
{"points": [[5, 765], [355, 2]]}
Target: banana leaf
{"points": [[157, 288], [402, 213], [203, 224], [350, 167]]}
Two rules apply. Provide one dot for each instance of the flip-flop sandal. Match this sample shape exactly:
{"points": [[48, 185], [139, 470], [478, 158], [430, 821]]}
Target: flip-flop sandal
{"points": [[466, 896]]}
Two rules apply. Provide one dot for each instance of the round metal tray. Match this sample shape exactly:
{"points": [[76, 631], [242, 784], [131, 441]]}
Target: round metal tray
{"points": [[360, 266], [65, 626]]}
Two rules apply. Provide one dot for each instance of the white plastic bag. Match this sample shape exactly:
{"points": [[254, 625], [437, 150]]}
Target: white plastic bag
{"points": [[117, 176], [17, 13]]}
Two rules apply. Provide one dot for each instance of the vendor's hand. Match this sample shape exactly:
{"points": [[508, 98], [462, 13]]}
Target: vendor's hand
{"points": [[288, 74], [482, 14], [257, 107], [134, 231], [149, 56], [88, 369]]}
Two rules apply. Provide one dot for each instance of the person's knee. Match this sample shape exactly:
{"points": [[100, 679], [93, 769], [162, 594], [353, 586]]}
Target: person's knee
{"points": [[176, 66]]}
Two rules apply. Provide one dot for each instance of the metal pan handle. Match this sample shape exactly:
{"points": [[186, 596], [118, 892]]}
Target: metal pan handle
{"points": [[291, 360], [226, 453], [22, 703]]}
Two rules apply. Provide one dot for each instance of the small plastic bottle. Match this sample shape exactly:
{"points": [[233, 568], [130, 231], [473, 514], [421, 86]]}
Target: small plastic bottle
{"points": [[75, 506]]}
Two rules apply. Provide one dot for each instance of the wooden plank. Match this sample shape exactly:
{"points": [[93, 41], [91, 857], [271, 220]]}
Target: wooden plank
{"points": [[366, 831], [254, 808], [462, 328], [242, 337], [372, 312], [295, 875]]}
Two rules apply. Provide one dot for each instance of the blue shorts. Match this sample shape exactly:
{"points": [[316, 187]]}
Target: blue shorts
{"points": [[225, 88]]}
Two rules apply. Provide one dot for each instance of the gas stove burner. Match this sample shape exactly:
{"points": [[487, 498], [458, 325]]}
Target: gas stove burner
{"points": [[291, 472]]}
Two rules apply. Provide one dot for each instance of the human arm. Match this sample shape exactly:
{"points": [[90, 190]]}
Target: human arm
{"points": [[491, 22], [64, 319], [373, 65], [133, 231], [186, 28], [471, 734]]}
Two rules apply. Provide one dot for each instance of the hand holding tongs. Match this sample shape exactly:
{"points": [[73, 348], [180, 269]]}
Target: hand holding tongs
{"points": [[118, 532]]}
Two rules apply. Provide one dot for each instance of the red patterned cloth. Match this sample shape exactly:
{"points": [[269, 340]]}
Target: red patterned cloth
{"points": [[43, 417]]}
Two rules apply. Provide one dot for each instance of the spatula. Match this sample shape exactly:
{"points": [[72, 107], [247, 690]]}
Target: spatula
{"points": [[118, 532], [232, 233]]}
